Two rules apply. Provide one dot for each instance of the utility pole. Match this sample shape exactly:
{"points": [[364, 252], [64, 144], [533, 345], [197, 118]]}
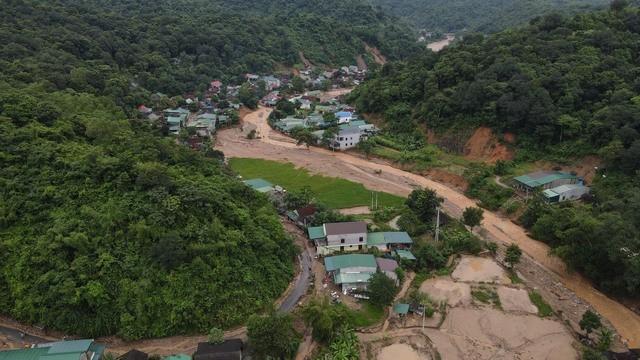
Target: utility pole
{"points": [[437, 223], [372, 200], [377, 200]]}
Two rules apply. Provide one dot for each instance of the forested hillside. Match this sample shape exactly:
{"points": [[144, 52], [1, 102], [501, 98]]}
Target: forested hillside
{"points": [[566, 87], [106, 227], [480, 15], [125, 48]]}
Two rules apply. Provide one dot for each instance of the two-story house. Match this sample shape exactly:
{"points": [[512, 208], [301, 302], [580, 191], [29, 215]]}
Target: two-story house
{"points": [[344, 236]]}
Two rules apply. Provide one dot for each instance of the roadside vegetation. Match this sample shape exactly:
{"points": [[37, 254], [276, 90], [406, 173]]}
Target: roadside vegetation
{"points": [[336, 193]]}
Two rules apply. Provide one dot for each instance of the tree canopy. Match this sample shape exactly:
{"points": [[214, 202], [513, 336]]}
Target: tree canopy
{"points": [[130, 49], [109, 228], [480, 15]]}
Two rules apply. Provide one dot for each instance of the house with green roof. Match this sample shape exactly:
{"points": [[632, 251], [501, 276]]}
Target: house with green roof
{"points": [[260, 185], [542, 180], [60, 350], [351, 272], [176, 119], [389, 240]]}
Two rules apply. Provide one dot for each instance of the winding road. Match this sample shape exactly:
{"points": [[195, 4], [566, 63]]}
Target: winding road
{"points": [[273, 146]]}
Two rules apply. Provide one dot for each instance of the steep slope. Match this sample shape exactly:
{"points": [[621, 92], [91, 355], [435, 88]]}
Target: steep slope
{"points": [[480, 15], [565, 88]]}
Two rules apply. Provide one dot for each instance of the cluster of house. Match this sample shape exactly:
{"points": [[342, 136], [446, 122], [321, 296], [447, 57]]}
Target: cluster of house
{"points": [[87, 349], [556, 186], [353, 271], [344, 76], [350, 128]]}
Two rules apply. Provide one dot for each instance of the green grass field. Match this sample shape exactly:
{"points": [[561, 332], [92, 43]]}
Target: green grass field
{"points": [[333, 192]]}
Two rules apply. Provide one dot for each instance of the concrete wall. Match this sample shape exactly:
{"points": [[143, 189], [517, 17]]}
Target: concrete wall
{"points": [[349, 239], [328, 249]]}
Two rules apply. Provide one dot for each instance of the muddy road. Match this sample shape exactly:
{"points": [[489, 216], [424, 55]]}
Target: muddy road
{"points": [[274, 146]]}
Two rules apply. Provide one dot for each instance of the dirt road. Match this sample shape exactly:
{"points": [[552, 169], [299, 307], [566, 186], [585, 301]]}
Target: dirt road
{"points": [[271, 146], [441, 44]]}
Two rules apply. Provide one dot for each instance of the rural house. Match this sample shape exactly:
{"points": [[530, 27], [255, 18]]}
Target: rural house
{"points": [[544, 180], [303, 216], [389, 240], [344, 116], [346, 138], [176, 119], [565, 193], [388, 267], [344, 236], [59, 350], [351, 272], [205, 124]]}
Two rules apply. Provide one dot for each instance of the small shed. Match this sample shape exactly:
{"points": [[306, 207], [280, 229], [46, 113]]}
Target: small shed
{"points": [[401, 309], [405, 254], [260, 185]]}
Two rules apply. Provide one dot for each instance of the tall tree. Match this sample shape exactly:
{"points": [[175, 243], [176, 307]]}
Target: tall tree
{"points": [[472, 216], [424, 202], [273, 336]]}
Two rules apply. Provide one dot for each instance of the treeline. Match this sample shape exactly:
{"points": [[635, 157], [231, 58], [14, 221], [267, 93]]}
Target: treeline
{"points": [[566, 87], [108, 228], [485, 16], [126, 49]]}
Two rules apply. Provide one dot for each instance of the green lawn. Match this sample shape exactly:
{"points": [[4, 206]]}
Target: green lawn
{"points": [[333, 192], [368, 315]]}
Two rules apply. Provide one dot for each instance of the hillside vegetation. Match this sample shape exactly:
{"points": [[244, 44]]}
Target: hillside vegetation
{"points": [[126, 49], [480, 15], [107, 228], [566, 87]]}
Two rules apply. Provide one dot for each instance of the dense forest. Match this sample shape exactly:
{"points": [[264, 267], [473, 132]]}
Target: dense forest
{"points": [[480, 15], [126, 49], [107, 227], [566, 87]]}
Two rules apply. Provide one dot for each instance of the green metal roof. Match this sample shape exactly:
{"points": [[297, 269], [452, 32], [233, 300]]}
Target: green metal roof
{"points": [[401, 309], [259, 184], [60, 350], [357, 122], [178, 357], [405, 254], [23, 354], [353, 260], [548, 193], [350, 278], [375, 238], [541, 178], [388, 237], [316, 232]]}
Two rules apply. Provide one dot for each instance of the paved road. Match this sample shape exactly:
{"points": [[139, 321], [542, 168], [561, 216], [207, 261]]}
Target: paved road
{"points": [[17, 336], [301, 284]]}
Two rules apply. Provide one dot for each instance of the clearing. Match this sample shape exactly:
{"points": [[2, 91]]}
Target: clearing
{"points": [[476, 269], [334, 192]]}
